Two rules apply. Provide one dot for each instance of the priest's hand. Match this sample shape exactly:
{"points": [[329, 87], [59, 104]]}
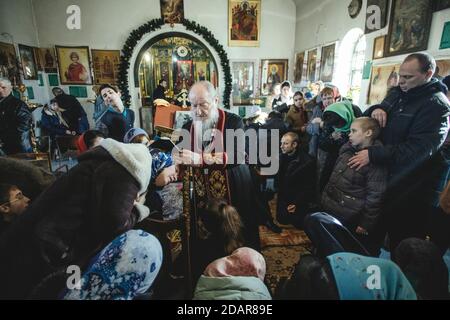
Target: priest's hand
{"points": [[187, 157], [213, 158], [359, 160]]}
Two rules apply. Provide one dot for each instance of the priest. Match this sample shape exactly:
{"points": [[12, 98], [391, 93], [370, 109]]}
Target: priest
{"points": [[220, 169]]}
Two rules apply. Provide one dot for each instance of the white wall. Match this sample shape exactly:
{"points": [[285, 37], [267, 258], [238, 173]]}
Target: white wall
{"points": [[16, 18], [18, 26], [320, 22], [106, 24]]}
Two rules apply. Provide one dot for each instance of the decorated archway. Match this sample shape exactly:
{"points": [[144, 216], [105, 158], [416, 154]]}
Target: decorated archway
{"points": [[131, 46]]}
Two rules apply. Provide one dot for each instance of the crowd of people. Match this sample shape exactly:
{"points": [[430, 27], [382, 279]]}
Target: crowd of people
{"points": [[379, 175]]}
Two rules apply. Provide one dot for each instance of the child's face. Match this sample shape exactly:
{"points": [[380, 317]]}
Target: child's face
{"points": [[327, 99], [298, 99], [277, 90], [358, 136], [110, 96], [141, 139], [286, 91], [54, 106]]}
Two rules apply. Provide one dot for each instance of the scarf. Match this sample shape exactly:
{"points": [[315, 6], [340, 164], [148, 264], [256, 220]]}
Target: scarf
{"points": [[244, 262], [353, 273], [344, 110]]}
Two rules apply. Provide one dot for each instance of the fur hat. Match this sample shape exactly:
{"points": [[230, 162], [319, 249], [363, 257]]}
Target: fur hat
{"points": [[134, 157]]}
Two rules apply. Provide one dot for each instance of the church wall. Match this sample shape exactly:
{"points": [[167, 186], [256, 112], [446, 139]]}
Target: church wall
{"points": [[16, 18], [106, 24], [323, 21], [18, 26]]}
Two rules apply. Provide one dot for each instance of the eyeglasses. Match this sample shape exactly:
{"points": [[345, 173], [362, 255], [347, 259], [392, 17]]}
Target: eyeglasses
{"points": [[19, 196]]}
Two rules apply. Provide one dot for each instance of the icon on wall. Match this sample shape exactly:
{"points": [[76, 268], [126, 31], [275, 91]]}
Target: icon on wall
{"points": [[244, 23], [74, 65]]}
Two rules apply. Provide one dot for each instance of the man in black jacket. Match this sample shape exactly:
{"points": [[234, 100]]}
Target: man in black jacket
{"points": [[159, 92], [295, 182], [15, 121], [414, 118]]}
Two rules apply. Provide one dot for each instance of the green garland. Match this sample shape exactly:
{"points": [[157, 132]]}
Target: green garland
{"points": [[155, 24]]}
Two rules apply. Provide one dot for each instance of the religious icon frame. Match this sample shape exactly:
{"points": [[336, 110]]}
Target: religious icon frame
{"points": [[28, 53], [11, 69], [379, 79], [234, 25], [114, 57], [40, 54], [63, 56], [299, 66], [312, 62], [400, 17], [239, 97], [175, 14], [265, 67], [378, 47], [328, 53]]}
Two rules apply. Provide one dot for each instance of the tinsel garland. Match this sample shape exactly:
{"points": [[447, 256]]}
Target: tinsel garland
{"points": [[156, 24]]}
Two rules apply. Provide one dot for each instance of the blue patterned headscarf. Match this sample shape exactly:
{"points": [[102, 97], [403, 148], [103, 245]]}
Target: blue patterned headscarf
{"points": [[355, 277]]}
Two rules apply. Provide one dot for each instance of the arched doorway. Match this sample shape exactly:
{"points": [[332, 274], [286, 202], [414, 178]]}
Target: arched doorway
{"points": [[178, 58]]}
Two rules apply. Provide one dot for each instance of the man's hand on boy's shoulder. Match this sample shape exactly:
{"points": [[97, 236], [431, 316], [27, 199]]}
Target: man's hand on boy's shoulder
{"points": [[359, 160]]}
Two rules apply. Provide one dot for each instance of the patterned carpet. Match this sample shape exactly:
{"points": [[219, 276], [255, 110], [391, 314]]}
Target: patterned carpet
{"points": [[281, 251]]}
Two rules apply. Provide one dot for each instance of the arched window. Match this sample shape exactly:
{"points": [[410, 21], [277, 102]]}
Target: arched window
{"points": [[351, 64], [357, 66]]}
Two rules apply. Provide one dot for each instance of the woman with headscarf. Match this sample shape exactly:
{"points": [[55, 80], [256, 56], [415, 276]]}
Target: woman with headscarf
{"points": [[315, 113], [238, 276], [337, 119], [347, 276]]}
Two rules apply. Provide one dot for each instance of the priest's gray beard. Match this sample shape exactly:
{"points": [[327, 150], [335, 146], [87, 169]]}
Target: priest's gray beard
{"points": [[206, 125]]}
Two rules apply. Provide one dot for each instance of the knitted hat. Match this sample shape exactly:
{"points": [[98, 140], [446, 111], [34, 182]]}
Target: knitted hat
{"points": [[133, 133]]}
